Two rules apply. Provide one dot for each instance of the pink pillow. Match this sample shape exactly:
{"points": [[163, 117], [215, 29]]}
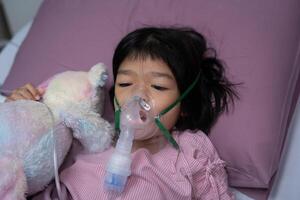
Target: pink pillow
{"points": [[258, 41]]}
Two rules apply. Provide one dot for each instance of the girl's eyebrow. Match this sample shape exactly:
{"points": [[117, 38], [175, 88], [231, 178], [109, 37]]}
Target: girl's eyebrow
{"points": [[125, 71], [160, 74], [153, 73]]}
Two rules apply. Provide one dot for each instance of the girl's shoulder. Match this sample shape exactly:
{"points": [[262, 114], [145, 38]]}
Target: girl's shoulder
{"points": [[197, 149], [195, 141]]}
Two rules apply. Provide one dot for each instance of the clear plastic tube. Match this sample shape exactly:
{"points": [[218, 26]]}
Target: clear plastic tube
{"points": [[55, 163]]}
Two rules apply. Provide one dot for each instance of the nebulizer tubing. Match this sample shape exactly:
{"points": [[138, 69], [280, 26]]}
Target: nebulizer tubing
{"points": [[55, 164], [118, 168]]}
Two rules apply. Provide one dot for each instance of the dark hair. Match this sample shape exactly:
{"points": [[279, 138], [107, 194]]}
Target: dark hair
{"points": [[185, 51]]}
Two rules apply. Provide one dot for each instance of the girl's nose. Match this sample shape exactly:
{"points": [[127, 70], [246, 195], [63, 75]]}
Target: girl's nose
{"points": [[141, 91], [144, 100]]}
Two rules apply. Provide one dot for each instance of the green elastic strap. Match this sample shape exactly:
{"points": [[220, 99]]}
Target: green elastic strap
{"points": [[185, 93], [117, 115], [165, 131]]}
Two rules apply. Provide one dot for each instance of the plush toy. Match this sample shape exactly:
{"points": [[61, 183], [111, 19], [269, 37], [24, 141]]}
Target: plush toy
{"points": [[71, 107]]}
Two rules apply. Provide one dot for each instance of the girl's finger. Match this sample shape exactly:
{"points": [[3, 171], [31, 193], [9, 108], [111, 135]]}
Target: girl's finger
{"points": [[8, 99], [26, 94], [16, 96], [34, 92], [42, 90]]}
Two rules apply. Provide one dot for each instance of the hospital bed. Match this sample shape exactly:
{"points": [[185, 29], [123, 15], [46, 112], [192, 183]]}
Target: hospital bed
{"points": [[285, 184]]}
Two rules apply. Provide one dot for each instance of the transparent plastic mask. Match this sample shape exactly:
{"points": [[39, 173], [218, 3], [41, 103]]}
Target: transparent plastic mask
{"points": [[137, 114]]}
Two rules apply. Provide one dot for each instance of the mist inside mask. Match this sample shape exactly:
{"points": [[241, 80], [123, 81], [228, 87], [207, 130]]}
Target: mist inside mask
{"points": [[136, 117], [136, 114]]}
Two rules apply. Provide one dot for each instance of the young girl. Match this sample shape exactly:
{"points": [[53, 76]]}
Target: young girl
{"points": [[174, 71]]}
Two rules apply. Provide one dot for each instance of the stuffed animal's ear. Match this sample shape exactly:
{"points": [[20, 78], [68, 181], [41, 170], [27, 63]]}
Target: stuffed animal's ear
{"points": [[98, 75]]}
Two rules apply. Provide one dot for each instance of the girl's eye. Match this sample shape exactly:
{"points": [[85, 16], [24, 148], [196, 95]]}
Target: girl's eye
{"points": [[124, 84], [160, 88]]}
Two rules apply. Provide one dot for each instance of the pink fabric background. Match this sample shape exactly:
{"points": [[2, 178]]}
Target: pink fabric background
{"points": [[258, 41]]}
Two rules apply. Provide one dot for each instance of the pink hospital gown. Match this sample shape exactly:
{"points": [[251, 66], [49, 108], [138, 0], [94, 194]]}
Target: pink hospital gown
{"points": [[195, 172]]}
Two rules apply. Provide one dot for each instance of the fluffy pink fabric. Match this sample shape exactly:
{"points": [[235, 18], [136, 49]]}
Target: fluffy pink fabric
{"points": [[12, 179]]}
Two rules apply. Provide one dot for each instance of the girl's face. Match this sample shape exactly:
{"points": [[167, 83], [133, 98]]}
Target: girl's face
{"points": [[154, 82]]}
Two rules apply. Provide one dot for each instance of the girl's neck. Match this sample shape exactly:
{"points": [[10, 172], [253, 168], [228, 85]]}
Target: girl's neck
{"points": [[153, 145]]}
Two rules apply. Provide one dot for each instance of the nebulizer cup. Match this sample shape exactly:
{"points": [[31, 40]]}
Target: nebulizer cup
{"points": [[135, 115]]}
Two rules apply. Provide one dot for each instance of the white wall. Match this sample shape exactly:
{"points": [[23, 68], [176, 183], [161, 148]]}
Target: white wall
{"points": [[19, 12]]}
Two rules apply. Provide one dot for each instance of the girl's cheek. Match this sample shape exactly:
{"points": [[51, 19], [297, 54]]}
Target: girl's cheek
{"points": [[122, 95], [170, 118]]}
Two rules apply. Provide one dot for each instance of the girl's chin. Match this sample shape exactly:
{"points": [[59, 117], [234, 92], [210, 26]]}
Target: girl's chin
{"points": [[143, 134]]}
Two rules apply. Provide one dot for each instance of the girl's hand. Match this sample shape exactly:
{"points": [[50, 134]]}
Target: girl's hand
{"points": [[27, 92]]}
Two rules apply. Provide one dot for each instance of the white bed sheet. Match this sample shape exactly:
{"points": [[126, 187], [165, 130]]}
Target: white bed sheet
{"points": [[286, 185], [287, 182]]}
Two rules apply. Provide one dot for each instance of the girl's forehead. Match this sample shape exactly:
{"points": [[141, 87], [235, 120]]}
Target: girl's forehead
{"points": [[145, 65]]}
